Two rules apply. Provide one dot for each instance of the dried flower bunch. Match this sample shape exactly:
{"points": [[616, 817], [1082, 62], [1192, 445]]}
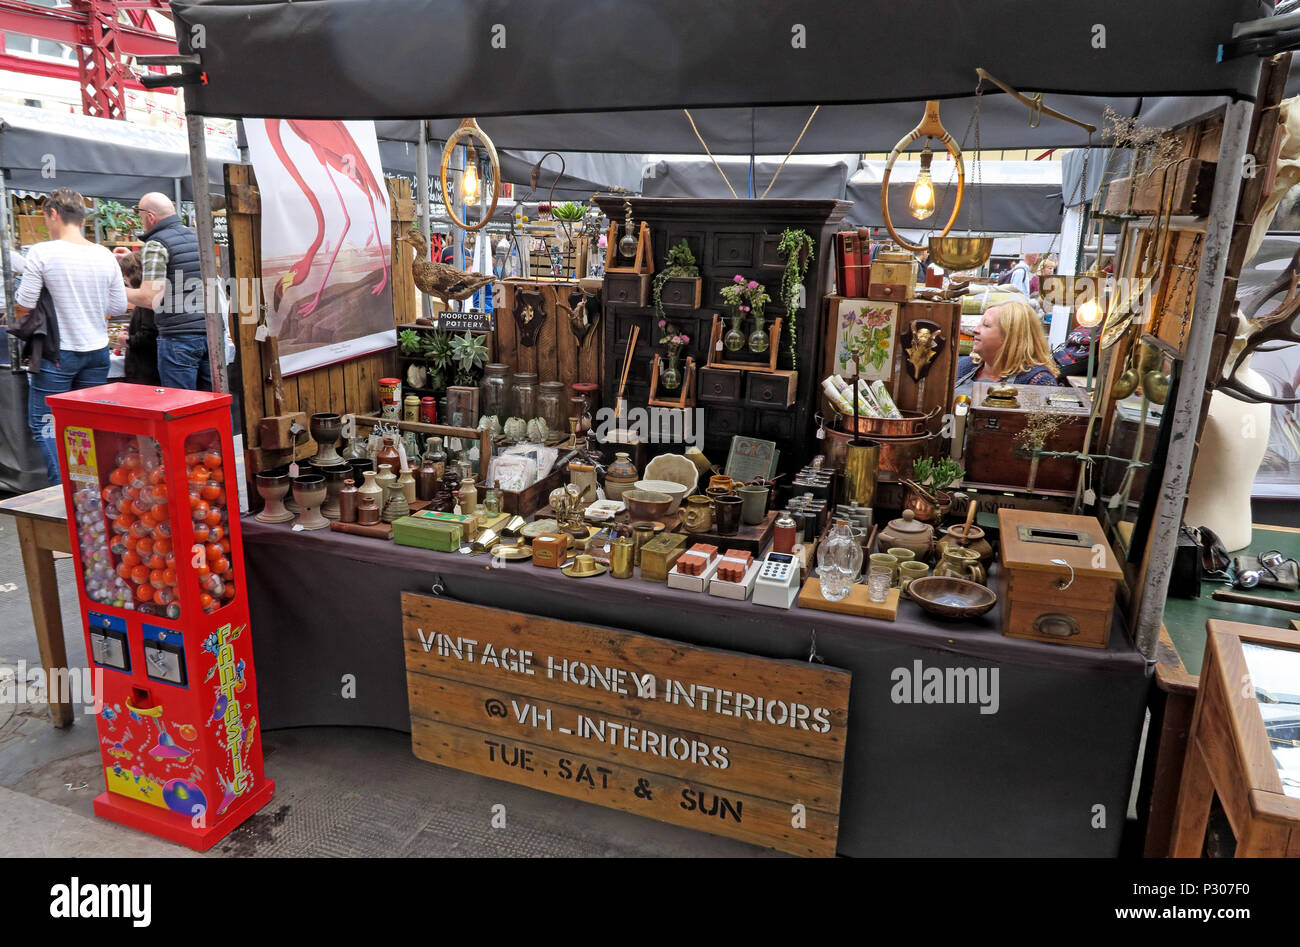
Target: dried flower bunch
{"points": [[1039, 426]]}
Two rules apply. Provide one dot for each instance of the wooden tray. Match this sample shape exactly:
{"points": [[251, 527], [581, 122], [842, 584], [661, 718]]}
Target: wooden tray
{"points": [[751, 539], [856, 602]]}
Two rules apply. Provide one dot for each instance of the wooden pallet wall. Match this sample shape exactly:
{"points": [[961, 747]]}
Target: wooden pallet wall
{"points": [[556, 356], [350, 386]]}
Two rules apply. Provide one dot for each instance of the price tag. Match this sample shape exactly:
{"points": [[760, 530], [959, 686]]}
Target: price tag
{"points": [[717, 346], [262, 333], [293, 469], [297, 527], [1089, 497]]}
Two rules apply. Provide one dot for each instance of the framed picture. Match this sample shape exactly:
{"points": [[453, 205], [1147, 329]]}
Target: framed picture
{"points": [[866, 332]]}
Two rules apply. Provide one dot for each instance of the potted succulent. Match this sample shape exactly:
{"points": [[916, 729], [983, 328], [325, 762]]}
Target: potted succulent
{"points": [[679, 281]]}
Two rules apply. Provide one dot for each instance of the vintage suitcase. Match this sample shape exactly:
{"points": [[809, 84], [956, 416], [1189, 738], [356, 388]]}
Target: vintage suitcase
{"points": [[893, 276], [852, 263], [1060, 578], [996, 451]]}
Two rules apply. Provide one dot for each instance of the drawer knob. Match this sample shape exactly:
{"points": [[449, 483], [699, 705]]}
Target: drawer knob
{"points": [[1056, 625]]}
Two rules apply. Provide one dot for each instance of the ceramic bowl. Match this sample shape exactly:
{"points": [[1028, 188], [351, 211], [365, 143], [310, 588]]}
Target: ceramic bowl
{"points": [[951, 598], [675, 467], [647, 504], [671, 487]]}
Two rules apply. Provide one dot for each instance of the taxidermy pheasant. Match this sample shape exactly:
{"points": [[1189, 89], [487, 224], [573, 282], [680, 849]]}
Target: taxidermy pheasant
{"points": [[441, 280]]}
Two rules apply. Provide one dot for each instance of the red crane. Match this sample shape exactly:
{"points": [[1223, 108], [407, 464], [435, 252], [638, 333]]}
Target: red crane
{"points": [[104, 33]]}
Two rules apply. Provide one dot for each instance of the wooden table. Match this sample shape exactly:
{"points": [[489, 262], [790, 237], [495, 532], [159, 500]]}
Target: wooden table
{"points": [[1177, 670], [1229, 753], [42, 521]]}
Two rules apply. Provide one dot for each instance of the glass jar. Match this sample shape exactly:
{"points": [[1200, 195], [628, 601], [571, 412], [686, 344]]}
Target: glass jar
{"points": [[523, 396], [494, 399], [550, 404], [589, 392]]}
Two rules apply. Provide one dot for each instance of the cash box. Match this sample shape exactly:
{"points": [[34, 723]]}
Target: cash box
{"points": [[1061, 577]]}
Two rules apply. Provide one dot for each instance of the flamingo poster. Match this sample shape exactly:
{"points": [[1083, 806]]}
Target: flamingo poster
{"points": [[326, 244]]}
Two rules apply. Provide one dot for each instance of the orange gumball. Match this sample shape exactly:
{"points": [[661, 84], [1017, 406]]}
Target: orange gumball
{"points": [[157, 562], [124, 521], [140, 573], [144, 546], [124, 570], [132, 461], [217, 534], [220, 566], [144, 593], [211, 459], [203, 571], [130, 558], [199, 474], [213, 518], [228, 591], [210, 491], [212, 551], [200, 509], [159, 475], [162, 546], [204, 599], [217, 475], [194, 458], [157, 579], [201, 532], [225, 546], [169, 576]]}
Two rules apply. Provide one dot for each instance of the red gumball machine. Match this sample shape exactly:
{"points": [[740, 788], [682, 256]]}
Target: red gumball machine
{"points": [[153, 508]]}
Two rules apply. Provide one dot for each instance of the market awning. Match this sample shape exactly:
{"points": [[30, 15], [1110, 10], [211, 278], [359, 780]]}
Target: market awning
{"points": [[450, 58], [41, 150]]}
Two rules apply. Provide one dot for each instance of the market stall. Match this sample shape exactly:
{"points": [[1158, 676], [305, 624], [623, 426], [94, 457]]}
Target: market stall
{"points": [[522, 566]]}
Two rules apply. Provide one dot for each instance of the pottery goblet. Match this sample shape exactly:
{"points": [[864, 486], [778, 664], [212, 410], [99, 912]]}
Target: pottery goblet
{"points": [[272, 485], [326, 427], [309, 491]]}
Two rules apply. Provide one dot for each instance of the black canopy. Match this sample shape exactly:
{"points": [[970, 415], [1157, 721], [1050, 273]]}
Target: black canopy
{"points": [[451, 58]]}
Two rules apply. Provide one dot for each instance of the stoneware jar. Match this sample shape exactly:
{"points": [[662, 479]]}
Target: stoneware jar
{"points": [[910, 533], [619, 476], [697, 514]]}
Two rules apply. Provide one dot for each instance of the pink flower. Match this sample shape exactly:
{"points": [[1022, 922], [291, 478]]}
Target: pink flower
{"points": [[753, 284], [662, 323], [739, 278]]}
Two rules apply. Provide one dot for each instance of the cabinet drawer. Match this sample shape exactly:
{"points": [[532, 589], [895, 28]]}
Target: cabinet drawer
{"points": [[889, 292], [771, 389], [681, 293], [769, 254], [629, 288], [719, 385], [733, 249], [1033, 588], [722, 423], [776, 425], [1057, 624]]}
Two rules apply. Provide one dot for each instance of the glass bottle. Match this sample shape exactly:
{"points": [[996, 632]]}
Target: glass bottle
{"points": [[550, 404], [787, 532], [356, 449], [839, 560], [523, 396], [436, 455], [494, 391], [492, 499]]}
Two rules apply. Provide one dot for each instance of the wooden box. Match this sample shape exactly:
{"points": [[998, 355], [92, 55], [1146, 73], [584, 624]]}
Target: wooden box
{"points": [[462, 406], [529, 500], [426, 534], [550, 550], [1069, 601], [893, 277], [722, 385], [660, 554], [771, 389], [681, 292], [995, 456], [628, 288]]}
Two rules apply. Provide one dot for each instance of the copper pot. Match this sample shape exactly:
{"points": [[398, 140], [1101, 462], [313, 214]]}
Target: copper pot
{"points": [[896, 453], [911, 424], [927, 510]]}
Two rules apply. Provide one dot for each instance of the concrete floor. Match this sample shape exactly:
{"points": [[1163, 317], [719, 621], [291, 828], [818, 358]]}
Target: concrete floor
{"points": [[339, 791]]}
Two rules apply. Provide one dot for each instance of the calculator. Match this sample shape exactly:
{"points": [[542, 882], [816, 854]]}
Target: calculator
{"points": [[777, 583]]}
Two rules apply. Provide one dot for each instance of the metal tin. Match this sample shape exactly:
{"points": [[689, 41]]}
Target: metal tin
{"points": [[390, 398], [411, 408], [429, 410]]}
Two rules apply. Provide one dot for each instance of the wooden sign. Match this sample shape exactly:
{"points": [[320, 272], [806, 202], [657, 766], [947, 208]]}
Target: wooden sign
{"points": [[472, 320], [735, 745]]}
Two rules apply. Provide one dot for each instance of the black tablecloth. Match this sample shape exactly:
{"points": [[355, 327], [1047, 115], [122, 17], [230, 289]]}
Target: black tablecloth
{"points": [[920, 779]]}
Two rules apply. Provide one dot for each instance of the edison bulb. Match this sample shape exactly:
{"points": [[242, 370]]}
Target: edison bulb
{"points": [[1088, 314], [922, 202], [470, 184]]}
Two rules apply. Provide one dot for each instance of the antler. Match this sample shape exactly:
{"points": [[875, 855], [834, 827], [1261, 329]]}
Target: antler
{"points": [[1281, 324]]}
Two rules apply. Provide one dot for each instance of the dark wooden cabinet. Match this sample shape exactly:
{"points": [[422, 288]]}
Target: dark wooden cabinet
{"points": [[729, 237]]}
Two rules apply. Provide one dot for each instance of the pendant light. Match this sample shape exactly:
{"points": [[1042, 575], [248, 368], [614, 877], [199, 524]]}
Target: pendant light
{"points": [[921, 203], [471, 180]]}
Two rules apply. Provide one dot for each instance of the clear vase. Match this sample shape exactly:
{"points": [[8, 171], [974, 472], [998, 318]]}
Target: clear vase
{"points": [[758, 338], [670, 376], [734, 340], [839, 560]]}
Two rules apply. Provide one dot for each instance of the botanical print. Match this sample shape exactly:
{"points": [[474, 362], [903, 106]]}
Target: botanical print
{"points": [[865, 338]]}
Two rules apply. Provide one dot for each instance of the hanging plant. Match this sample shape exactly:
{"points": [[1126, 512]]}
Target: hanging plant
{"points": [[680, 263], [798, 249]]}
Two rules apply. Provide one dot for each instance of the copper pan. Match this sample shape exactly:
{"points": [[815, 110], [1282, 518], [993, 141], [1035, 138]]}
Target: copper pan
{"points": [[911, 424], [896, 453]]}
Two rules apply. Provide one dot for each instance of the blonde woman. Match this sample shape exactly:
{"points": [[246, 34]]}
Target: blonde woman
{"points": [[1010, 346]]}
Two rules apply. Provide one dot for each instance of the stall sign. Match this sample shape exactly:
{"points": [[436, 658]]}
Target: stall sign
{"points": [[727, 743], [471, 320]]}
